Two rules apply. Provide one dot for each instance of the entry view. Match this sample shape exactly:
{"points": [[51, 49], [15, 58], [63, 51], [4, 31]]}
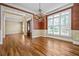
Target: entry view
{"points": [[39, 29]]}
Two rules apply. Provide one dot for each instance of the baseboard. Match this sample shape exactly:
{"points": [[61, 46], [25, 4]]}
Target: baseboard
{"points": [[63, 39], [14, 34], [76, 42], [1, 43], [35, 36]]}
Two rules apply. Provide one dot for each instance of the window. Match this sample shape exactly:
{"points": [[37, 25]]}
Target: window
{"points": [[50, 29], [60, 23], [56, 24]]}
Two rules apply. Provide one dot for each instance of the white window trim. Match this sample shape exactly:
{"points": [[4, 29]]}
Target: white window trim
{"points": [[60, 13]]}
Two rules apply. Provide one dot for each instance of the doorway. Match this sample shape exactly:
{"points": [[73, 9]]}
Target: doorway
{"points": [[29, 31]]}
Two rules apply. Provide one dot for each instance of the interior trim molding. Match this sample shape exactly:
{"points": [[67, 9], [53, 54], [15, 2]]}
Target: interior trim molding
{"points": [[75, 42], [60, 11], [16, 8]]}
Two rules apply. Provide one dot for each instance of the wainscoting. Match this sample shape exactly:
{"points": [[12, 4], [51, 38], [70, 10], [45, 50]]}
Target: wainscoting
{"points": [[43, 33]]}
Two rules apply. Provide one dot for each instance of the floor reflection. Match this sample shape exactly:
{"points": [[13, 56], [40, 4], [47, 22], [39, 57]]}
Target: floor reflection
{"points": [[21, 45]]}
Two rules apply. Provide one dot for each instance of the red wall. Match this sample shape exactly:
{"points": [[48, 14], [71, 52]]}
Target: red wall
{"points": [[74, 22], [75, 17], [40, 24]]}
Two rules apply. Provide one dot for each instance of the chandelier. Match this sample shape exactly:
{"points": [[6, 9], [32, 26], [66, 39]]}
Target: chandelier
{"points": [[40, 15]]}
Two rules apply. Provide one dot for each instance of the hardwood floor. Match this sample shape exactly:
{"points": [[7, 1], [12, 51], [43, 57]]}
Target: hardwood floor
{"points": [[20, 45]]}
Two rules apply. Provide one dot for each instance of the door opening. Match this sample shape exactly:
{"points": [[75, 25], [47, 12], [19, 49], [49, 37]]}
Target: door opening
{"points": [[29, 31]]}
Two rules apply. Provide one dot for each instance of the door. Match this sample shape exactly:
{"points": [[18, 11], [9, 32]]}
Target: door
{"points": [[29, 31]]}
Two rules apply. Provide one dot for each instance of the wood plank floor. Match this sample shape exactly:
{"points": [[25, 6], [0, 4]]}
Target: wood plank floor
{"points": [[20, 45]]}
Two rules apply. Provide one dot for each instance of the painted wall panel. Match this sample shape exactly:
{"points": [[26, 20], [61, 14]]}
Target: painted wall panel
{"points": [[12, 27], [75, 17], [40, 24]]}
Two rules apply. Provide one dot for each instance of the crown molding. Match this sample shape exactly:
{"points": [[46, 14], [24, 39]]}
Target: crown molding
{"points": [[16, 8]]}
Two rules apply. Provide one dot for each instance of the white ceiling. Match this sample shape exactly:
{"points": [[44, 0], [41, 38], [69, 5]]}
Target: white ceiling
{"points": [[46, 7]]}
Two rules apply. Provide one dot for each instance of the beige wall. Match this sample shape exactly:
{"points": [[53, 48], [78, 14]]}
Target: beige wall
{"points": [[13, 15], [12, 27]]}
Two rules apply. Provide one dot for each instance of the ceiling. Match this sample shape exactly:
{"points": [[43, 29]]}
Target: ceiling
{"points": [[46, 7]]}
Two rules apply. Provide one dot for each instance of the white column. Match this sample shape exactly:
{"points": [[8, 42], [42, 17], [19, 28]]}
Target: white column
{"points": [[24, 25]]}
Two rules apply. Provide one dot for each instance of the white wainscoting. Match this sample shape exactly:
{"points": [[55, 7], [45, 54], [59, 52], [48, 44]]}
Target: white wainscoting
{"points": [[38, 33], [75, 36], [0, 37], [43, 33]]}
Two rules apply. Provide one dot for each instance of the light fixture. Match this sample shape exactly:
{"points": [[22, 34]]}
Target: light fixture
{"points": [[40, 15]]}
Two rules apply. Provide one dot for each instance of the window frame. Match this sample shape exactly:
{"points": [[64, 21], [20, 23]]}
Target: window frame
{"points": [[60, 13]]}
